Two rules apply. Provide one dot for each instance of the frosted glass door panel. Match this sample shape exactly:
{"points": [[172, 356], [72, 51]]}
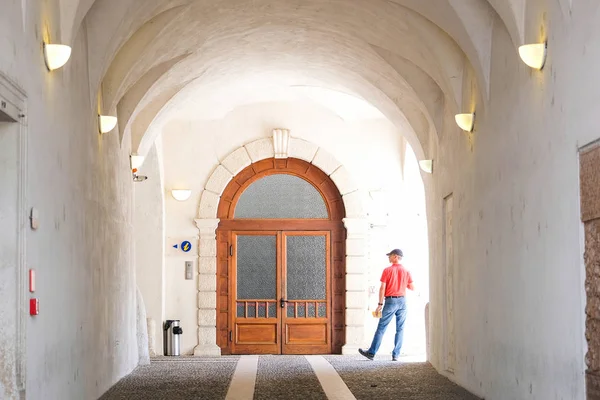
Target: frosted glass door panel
{"points": [[256, 267], [281, 196], [306, 267]]}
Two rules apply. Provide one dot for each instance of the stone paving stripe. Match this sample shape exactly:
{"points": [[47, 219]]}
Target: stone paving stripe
{"points": [[286, 377], [333, 385], [244, 379]]}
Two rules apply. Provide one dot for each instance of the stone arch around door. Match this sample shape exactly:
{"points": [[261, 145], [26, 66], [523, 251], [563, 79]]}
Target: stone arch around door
{"points": [[214, 203]]}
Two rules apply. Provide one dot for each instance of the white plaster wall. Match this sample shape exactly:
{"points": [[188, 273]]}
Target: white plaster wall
{"points": [[369, 149], [181, 295], [364, 148], [518, 295], [149, 240], [83, 341]]}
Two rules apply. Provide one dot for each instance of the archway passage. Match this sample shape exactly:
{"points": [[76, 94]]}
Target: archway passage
{"points": [[281, 261]]}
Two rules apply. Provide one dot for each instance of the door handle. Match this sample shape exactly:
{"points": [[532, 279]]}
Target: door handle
{"points": [[282, 302]]}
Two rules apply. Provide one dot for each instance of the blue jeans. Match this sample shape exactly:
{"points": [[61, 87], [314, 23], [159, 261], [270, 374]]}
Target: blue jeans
{"points": [[391, 307]]}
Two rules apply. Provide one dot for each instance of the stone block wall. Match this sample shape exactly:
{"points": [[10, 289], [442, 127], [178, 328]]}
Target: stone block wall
{"points": [[592, 310], [590, 213]]}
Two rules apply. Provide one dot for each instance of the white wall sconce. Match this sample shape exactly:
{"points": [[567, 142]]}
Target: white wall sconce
{"points": [[139, 178], [181, 194], [106, 123], [465, 121], [426, 166], [56, 55], [534, 55], [136, 161]]}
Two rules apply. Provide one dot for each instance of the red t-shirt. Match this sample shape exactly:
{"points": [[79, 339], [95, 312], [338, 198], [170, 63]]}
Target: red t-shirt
{"points": [[396, 279]]}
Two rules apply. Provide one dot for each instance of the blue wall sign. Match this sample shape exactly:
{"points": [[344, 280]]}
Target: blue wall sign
{"points": [[186, 246]]}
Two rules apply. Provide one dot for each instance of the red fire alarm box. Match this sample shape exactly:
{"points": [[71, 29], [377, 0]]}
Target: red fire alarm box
{"points": [[34, 307]]}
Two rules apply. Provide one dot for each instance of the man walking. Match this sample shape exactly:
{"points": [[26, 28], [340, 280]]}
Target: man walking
{"points": [[395, 279]]}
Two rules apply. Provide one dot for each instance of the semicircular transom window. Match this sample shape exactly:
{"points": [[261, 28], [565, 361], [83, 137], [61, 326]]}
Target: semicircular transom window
{"points": [[281, 196]]}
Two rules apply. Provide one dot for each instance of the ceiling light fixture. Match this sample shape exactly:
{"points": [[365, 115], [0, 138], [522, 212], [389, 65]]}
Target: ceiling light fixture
{"points": [[181, 194], [534, 55], [465, 121], [56, 55], [106, 123]]}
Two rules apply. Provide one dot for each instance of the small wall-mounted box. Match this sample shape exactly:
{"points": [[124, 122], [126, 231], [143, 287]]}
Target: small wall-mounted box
{"points": [[34, 306], [189, 270]]}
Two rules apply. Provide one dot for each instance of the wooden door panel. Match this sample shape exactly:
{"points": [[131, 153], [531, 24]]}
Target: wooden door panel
{"points": [[256, 333], [307, 333], [226, 308], [255, 321], [306, 338], [306, 324], [223, 292]]}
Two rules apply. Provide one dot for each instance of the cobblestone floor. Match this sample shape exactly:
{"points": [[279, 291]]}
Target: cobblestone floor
{"points": [[284, 377], [384, 379], [186, 378]]}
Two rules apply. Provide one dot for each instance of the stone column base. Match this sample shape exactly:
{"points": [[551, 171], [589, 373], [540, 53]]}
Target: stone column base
{"points": [[207, 350]]}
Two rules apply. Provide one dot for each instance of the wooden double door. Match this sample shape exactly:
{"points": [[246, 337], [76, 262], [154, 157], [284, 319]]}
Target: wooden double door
{"points": [[280, 292]]}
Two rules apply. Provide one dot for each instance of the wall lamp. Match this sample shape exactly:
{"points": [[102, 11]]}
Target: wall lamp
{"points": [[465, 121], [106, 123], [181, 194], [136, 161], [426, 166], [138, 178], [534, 55], [56, 55]]}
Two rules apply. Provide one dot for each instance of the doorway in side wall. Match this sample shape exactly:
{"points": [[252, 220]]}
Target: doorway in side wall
{"points": [[398, 219], [13, 162]]}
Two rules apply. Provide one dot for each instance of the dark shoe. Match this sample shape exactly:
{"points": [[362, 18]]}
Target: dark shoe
{"points": [[366, 354], [394, 358]]}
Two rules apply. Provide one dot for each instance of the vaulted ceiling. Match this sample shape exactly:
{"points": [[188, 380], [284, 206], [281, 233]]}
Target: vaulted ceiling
{"points": [[408, 58]]}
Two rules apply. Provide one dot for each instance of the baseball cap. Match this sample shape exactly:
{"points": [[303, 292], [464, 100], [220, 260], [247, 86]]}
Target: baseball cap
{"points": [[397, 252]]}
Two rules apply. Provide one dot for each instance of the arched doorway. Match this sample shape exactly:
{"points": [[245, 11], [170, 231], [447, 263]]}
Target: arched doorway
{"points": [[281, 261]]}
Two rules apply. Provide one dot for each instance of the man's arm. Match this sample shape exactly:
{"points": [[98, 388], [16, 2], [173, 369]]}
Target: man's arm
{"points": [[410, 285], [381, 296]]}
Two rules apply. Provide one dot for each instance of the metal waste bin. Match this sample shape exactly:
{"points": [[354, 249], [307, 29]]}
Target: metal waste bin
{"points": [[172, 337]]}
